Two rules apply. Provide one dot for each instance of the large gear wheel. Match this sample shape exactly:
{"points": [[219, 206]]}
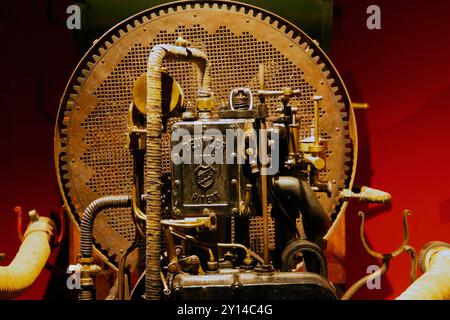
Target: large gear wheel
{"points": [[91, 154]]}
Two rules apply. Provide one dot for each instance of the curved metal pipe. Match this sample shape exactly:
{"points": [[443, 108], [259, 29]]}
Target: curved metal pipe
{"points": [[157, 56], [434, 284], [31, 258], [89, 215], [91, 212], [316, 220]]}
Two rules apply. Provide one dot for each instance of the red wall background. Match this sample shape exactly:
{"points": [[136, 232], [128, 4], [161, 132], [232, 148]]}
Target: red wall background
{"points": [[402, 71]]}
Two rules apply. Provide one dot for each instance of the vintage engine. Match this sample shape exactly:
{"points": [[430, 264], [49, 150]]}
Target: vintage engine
{"points": [[212, 157]]}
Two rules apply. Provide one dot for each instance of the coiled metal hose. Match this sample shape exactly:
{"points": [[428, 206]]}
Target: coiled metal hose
{"points": [[89, 215]]}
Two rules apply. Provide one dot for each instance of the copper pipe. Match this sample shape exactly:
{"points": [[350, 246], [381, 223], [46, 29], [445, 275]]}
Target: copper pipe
{"points": [[316, 120], [363, 281], [264, 204]]}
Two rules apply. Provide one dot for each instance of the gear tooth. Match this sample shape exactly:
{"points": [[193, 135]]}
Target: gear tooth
{"points": [[96, 58], [69, 105], [315, 56], [344, 113], [76, 88]]}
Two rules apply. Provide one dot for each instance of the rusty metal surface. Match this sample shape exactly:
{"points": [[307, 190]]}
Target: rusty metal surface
{"points": [[231, 284], [91, 155]]}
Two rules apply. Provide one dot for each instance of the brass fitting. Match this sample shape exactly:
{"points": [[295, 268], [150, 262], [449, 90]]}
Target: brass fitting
{"points": [[317, 162], [366, 194], [205, 104], [88, 271]]}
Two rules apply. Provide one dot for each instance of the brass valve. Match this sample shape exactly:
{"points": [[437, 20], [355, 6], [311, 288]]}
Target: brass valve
{"points": [[88, 271], [366, 194]]}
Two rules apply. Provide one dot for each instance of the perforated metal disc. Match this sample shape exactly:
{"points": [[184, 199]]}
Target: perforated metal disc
{"points": [[92, 159]]}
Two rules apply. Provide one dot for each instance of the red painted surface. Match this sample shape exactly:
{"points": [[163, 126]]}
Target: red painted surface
{"points": [[400, 70], [37, 58]]}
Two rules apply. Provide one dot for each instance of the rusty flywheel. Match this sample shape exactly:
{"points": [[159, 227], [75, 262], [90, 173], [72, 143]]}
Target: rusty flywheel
{"points": [[91, 154]]}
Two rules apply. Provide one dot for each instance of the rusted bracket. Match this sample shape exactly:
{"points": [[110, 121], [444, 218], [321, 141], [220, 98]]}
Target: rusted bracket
{"points": [[384, 257]]}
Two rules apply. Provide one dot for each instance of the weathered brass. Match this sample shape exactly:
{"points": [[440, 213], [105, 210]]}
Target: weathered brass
{"points": [[91, 131], [360, 105], [366, 194], [384, 257], [173, 96]]}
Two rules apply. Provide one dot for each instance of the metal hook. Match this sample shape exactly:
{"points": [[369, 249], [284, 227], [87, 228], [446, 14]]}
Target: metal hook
{"points": [[18, 211], [385, 257], [394, 253]]}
